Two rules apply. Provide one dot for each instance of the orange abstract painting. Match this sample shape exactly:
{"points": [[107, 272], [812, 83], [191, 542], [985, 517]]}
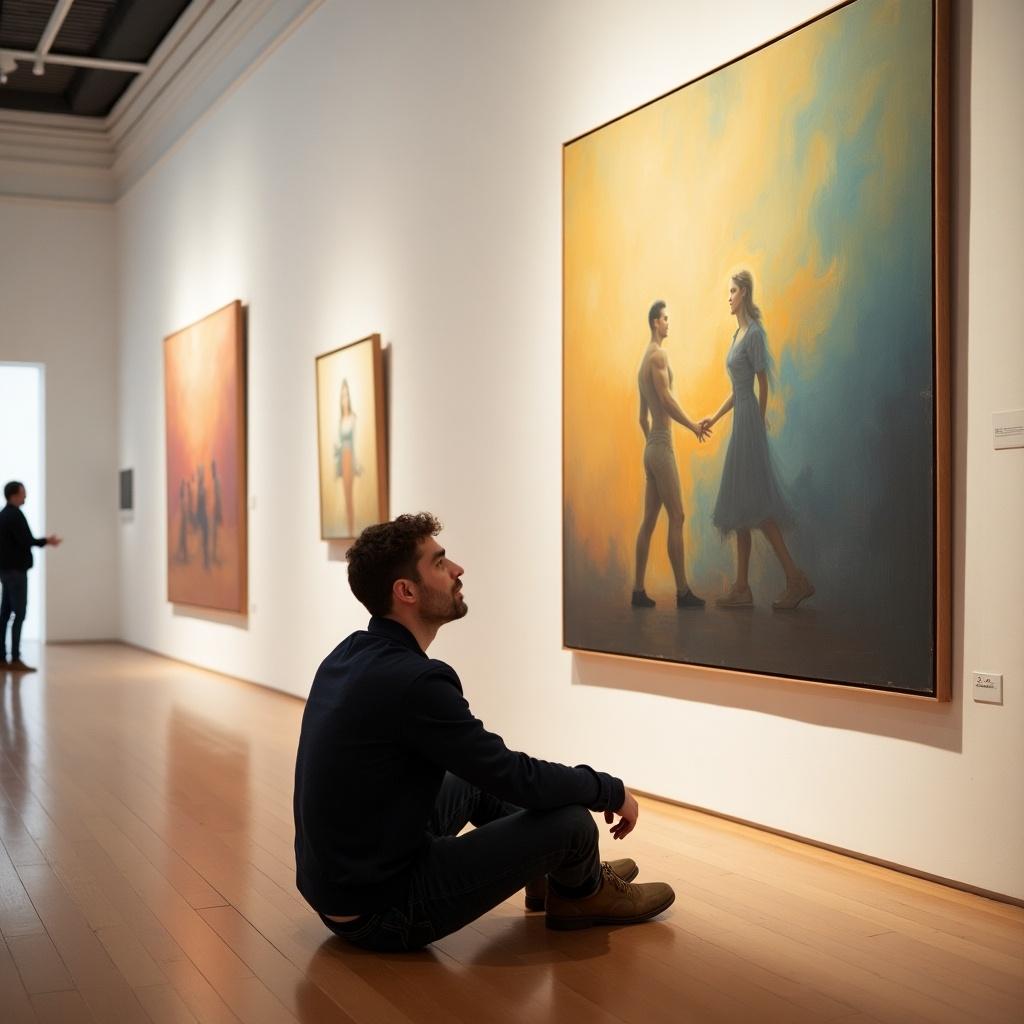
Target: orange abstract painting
{"points": [[204, 380]]}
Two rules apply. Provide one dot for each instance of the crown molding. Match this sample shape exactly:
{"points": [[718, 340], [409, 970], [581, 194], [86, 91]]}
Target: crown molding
{"points": [[55, 157], [210, 48]]}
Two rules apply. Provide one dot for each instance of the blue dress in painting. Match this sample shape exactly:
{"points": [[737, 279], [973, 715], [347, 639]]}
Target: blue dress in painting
{"points": [[750, 492]]}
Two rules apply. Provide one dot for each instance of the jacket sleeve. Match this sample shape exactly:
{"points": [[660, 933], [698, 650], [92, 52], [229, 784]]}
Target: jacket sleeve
{"points": [[25, 534], [438, 724]]}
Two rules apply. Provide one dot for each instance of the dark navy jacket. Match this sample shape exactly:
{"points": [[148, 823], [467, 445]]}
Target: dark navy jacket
{"points": [[16, 540], [382, 725]]}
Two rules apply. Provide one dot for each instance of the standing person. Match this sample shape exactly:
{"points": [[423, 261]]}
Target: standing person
{"points": [[16, 543], [750, 495], [392, 765], [345, 453], [658, 408]]}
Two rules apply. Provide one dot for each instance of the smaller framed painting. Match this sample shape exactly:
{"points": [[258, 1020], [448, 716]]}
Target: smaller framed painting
{"points": [[351, 439]]}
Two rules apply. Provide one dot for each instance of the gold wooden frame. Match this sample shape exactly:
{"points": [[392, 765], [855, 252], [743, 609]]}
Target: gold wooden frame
{"points": [[380, 430], [941, 690]]}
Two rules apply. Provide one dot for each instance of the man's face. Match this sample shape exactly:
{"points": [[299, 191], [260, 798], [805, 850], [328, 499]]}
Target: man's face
{"points": [[18, 498], [440, 587], [661, 325]]}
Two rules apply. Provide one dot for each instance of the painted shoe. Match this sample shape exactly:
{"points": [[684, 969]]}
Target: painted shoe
{"points": [[615, 902], [641, 600], [537, 888], [798, 589], [689, 600], [736, 599]]}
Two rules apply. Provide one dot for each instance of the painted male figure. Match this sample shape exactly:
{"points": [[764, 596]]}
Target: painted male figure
{"points": [[16, 543], [658, 407], [392, 765]]}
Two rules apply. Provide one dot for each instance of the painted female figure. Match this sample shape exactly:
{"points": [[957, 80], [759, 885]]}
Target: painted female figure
{"points": [[345, 453], [750, 496]]}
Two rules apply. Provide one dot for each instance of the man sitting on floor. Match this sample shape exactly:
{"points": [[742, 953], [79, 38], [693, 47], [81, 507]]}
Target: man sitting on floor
{"points": [[392, 765]]}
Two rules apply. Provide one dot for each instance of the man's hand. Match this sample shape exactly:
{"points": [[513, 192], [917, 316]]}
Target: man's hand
{"points": [[628, 813], [53, 540]]}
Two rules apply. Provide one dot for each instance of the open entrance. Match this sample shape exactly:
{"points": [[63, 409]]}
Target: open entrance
{"points": [[21, 458]]}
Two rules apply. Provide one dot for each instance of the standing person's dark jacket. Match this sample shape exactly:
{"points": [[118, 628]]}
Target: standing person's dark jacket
{"points": [[382, 725], [16, 540]]}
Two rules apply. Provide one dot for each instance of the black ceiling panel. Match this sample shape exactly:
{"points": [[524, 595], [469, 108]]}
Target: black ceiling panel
{"points": [[54, 83], [129, 30], [83, 27], [22, 22]]}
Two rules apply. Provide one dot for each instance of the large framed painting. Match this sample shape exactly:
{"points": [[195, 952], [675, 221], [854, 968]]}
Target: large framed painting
{"points": [[204, 382], [351, 439], [755, 355]]}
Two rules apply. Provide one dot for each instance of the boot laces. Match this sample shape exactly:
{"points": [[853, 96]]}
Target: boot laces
{"points": [[618, 883]]}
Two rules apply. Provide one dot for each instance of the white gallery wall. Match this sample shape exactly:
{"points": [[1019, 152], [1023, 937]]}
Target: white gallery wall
{"points": [[396, 167], [57, 308]]}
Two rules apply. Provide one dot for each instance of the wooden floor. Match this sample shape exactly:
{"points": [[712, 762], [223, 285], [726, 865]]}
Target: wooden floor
{"points": [[146, 874]]}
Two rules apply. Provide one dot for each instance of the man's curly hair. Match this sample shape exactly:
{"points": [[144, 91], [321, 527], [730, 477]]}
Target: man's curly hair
{"points": [[384, 553]]}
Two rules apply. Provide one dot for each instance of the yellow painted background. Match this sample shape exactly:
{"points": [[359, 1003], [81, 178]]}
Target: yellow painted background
{"points": [[667, 203]]}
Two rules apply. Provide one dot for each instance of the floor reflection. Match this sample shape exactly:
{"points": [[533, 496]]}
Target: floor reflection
{"points": [[510, 950], [14, 743], [208, 779]]}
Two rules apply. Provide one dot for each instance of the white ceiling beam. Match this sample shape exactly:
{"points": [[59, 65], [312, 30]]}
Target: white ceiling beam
{"points": [[77, 62], [57, 16]]}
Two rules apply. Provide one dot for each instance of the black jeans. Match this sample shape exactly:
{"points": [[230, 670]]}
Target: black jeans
{"points": [[460, 878], [14, 602]]}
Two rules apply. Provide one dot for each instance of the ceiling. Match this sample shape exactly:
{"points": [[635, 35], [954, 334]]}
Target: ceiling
{"points": [[110, 31]]}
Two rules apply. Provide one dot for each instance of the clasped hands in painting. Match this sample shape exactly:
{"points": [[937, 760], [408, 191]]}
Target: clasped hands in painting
{"points": [[702, 429]]}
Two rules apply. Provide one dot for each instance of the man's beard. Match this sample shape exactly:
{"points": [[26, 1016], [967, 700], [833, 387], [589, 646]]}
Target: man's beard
{"points": [[443, 605]]}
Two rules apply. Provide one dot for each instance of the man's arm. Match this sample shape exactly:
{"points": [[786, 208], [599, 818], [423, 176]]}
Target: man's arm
{"points": [[25, 537], [438, 723], [659, 374]]}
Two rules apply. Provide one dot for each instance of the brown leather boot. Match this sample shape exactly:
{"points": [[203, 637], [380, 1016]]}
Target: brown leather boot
{"points": [[615, 902], [537, 888]]}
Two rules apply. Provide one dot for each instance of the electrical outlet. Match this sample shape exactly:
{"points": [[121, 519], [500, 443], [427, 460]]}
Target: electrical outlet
{"points": [[988, 687]]}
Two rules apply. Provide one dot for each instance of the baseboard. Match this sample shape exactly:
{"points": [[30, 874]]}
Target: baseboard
{"points": [[206, 668], [903, 869], [63, 643]]}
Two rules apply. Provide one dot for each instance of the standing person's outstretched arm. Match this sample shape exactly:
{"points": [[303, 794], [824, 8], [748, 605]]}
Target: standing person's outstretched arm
{"points": [[26, 538]]}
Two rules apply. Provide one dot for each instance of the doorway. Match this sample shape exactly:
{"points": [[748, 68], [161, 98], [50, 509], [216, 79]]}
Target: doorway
{"points": [[22, 450]]}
